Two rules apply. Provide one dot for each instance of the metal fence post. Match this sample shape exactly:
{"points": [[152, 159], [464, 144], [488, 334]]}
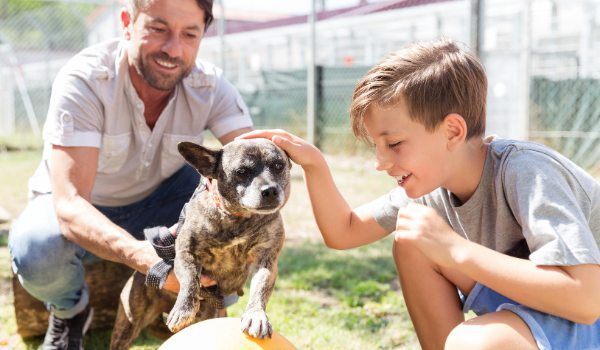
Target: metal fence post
{"points": [[310, 74], [319, 106], [221, 32], [476, 17]]}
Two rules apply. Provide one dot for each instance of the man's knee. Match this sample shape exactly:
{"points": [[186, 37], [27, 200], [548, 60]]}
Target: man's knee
{"points": [[37, 257]]}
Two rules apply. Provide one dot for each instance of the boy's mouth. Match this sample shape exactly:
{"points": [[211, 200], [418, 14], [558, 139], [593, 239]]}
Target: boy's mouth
{"points": [[401, 179]]}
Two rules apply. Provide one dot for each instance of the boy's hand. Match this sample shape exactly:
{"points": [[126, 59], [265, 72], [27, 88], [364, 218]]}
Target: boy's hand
{"points": [[300, 151], [423, 226]]}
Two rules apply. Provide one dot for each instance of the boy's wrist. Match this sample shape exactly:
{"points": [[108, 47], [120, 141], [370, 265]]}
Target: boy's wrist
{"points": [[318, 162], [459, 253]]}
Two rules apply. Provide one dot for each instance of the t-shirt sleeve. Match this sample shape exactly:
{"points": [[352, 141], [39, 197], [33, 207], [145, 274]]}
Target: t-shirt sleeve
{"points": [[385, 208], [229, 112], [552, 208], [74, 114]]}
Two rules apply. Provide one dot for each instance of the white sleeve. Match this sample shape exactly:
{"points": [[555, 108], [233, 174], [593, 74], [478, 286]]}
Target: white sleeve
{"points": [[75, 114]]}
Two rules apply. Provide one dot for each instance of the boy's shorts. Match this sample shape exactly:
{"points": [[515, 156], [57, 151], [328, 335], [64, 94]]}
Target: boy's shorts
{"points": [[550, 332]]}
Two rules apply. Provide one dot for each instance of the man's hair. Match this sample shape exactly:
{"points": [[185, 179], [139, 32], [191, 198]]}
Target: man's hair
{"points": [[135, 6], [434, 79]]}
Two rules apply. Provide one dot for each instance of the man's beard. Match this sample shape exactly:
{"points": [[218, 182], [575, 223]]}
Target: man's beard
{"points": [[157, 80]]}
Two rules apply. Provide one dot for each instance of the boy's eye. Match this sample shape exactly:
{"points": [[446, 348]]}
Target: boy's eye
{"points": [[394, 145]]}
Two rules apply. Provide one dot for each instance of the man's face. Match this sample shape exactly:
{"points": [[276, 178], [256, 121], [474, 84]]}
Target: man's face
{"points": [[164, 41]]}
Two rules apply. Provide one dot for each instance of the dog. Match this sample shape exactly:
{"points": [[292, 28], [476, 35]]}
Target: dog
{"points": [[232, 227]]}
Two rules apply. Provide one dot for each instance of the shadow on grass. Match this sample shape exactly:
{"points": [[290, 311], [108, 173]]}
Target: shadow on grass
{"points": [[353, 276], [348, 294]]}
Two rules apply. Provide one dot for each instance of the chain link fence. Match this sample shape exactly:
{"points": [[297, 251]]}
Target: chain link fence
{"points": [[541, 56]]}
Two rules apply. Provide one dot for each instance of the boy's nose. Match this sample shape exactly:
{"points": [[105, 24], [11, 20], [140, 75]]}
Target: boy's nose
{"points": [[382, 164]]}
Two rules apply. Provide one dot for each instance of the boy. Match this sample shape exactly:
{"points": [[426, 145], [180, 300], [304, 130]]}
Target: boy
{"points": [[512, 225]]}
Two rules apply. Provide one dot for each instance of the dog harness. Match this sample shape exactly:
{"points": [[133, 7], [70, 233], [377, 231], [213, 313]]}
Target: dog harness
{"points": [[163, 243]]}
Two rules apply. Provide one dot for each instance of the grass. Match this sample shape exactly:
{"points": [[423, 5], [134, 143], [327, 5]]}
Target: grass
{"points": [[324, 299]]}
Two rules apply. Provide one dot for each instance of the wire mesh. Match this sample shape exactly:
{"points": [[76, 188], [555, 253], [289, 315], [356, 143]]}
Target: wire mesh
{"points": [[541, 57]]}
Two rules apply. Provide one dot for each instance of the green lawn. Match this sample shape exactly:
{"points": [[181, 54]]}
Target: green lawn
{"points": [[324, 299]]}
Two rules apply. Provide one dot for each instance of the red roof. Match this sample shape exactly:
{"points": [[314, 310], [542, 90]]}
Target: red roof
{"points": [[236, 26]]}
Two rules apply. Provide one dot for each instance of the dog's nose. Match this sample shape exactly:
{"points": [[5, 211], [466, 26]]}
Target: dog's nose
{"points": [[269, 192]]}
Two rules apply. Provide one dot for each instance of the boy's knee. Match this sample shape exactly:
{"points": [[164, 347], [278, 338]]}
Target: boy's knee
{"points": [[465, 337], [404, 251]]}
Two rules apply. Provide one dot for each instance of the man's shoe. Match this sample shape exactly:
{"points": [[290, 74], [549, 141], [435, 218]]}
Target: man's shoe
{"points": [[67, 334]]}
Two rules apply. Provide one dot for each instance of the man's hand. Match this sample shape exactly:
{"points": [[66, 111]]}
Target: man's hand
{"points": [[423, 226], [172, 285]]}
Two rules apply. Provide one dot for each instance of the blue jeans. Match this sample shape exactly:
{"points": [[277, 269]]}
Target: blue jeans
{"points": [[51, 268]]}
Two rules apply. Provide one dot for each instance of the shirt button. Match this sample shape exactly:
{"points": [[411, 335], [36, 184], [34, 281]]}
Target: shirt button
{"points": [[147, 164]]}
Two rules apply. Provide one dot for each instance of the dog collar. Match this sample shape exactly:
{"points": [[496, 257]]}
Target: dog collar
{"points": [[216, 198]]}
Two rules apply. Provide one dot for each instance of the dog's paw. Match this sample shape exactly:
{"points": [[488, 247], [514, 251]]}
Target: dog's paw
{"points": [[256, 324], [180, 318]]}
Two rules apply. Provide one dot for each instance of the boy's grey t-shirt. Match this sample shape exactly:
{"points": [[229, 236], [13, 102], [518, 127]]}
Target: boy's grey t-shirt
{"points": [[531, 203]]}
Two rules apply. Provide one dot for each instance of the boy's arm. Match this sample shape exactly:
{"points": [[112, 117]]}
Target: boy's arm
{"points": [[570, 292], [340, 226]]}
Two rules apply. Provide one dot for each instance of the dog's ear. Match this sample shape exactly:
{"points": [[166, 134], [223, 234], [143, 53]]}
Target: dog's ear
{"points": [[205, 160]]}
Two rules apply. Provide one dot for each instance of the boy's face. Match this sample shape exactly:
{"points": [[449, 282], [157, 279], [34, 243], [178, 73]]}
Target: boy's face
{"points": [[418, 159]]}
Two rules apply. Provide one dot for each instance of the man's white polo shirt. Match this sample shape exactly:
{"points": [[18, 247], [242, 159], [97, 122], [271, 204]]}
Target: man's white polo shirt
{"points": [[94, 104]]}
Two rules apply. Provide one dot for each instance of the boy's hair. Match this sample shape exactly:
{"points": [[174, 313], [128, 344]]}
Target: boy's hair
{"points": [[135, 6], [434, 79]]}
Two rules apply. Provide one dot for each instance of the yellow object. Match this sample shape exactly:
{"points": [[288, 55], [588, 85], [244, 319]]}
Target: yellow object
{"points": [[222, 334]]}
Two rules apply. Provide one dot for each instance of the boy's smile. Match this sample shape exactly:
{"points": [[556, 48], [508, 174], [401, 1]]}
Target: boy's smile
{"points": [[415, 157]]}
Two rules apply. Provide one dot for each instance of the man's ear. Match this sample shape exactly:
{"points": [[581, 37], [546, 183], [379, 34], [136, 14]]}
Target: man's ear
{"points": [[126, 22], [205, 160], [456, 130]]}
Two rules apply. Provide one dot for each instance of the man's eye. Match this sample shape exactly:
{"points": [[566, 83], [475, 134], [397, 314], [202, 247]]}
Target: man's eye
{"points": [[157, 29]]}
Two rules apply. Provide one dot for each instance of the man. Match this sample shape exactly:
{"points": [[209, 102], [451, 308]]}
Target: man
{"points": [[110, 166]]}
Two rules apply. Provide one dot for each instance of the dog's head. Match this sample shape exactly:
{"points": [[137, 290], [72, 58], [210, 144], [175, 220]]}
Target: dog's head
{"points": [[252, 174]]}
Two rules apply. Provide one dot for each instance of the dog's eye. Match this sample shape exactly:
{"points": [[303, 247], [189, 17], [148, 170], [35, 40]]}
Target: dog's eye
{"points": [[278, 166], [241, 171]]}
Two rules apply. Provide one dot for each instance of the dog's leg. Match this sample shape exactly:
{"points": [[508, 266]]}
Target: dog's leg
{"points": [[187, 270], [138, 307], [254, 320]]}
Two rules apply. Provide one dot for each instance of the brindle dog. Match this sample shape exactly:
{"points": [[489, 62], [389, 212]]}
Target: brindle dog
{"points": [[231, 228]]}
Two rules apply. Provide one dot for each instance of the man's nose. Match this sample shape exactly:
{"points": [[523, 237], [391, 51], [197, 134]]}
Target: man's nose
{"points": [[173, 46]]}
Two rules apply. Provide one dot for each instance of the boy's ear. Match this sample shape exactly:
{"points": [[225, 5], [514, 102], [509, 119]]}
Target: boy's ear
{"points": [[456, 130], [205, 160]]}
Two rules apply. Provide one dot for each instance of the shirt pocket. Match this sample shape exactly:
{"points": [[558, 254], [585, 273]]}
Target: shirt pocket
{"points": [[113, 152], [171, 160]]}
